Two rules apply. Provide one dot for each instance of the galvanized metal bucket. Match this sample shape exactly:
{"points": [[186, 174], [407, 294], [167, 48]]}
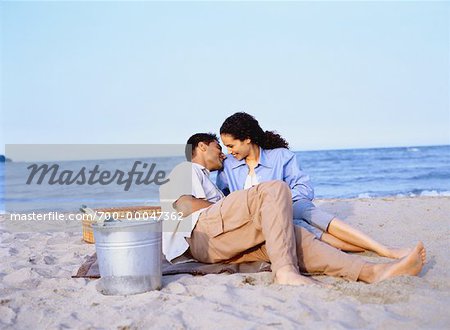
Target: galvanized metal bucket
{"points": [[129, 256]]}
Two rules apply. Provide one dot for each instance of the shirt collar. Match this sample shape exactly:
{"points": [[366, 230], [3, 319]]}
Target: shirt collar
{"points": [[201, 167], [237, 163], [262, 160]]}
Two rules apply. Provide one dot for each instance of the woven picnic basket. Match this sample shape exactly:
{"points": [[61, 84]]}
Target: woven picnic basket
{"points": [[133, 212]]}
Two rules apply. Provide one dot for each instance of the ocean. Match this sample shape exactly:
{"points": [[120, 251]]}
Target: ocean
{"points": [[363, 173], [353, 173]]}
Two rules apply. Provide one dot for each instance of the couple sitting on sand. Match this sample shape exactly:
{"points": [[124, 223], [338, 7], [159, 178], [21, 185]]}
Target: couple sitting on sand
{"points": [[266, 191]]}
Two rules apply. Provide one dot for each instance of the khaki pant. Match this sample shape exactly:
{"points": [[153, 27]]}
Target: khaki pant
{"points": [[256, 225]]}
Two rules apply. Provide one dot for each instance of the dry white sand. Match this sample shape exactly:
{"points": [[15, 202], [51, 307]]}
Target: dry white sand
{"points": [[37, 291]]}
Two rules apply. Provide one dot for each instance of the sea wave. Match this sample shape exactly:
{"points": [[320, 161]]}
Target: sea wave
{"points": [[366, 195], [430, 193], [432, 175], [414, 193]]}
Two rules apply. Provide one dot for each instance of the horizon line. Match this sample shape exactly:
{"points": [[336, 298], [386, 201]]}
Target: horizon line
{"points": [[362, 148], [307, 150]]}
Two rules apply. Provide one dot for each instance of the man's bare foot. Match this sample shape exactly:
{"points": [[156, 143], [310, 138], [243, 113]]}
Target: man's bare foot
{"points": [[287, 275], [411, 264]]}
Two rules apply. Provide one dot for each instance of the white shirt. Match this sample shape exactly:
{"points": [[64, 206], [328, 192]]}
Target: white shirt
{"points": [[250, 181], [186, 179]]}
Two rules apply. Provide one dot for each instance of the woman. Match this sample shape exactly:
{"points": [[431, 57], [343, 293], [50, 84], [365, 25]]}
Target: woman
{"points": [[260, 156]]}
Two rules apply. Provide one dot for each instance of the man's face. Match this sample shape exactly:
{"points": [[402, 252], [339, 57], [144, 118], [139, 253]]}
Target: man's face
{"points": [[214, 156], [239, 149]]}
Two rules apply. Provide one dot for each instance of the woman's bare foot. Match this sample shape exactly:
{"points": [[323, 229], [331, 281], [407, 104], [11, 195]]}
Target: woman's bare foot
{"points": [[340, 244], [411, 264], [396, 253], [288, 275], [423, 255]]}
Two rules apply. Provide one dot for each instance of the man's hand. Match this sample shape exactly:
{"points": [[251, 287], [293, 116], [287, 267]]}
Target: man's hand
{"points": [[187, 204]]}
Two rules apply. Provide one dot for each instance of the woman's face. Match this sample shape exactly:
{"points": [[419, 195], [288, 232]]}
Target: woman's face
{"points": [[239, 149]]}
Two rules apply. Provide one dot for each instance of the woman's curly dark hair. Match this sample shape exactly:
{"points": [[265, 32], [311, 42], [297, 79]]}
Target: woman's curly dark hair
{"points": [[243, 126]]}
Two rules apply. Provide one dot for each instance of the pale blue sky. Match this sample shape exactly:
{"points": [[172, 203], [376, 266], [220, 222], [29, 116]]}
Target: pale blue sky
{"points": [[326, 75]]}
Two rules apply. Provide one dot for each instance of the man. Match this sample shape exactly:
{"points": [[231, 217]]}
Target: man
{"points": [[254, 225]]}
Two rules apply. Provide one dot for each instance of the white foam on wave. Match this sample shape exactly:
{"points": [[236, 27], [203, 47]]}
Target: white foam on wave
{"points": [[425, 193], [431, 193], [365, 195]]}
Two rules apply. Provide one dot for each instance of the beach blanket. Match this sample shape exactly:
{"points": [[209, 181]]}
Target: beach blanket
{"points": [[89, 268]]}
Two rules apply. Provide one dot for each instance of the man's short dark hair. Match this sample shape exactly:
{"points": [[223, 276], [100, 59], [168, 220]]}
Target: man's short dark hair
{"points": [[195, 139]]}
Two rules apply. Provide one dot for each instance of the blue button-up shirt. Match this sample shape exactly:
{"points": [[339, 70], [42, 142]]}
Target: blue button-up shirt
{"points": [[274, 164]]}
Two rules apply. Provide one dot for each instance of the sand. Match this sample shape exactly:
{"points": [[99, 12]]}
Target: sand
{"points": [[37, 291]]}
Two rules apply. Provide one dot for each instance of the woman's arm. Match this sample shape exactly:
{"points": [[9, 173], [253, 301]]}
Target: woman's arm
{"points": [[297, 179]]}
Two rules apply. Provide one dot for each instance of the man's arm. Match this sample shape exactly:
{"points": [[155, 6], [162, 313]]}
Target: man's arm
{"points": [[187, 204]]}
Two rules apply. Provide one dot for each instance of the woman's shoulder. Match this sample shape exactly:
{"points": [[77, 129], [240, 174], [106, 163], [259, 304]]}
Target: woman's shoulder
{"points": [[279, 153]]}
